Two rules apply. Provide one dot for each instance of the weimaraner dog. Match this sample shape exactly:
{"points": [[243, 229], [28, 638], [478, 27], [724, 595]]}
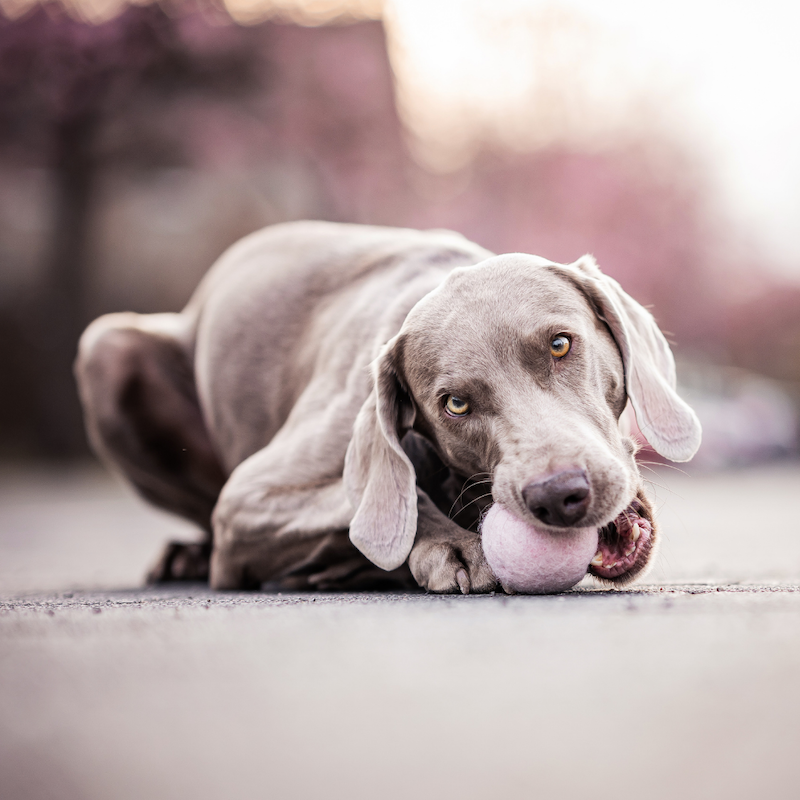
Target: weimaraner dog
{"points": [[338, 405]]}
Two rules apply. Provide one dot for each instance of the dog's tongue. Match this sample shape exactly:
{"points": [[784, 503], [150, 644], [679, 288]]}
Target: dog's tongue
{"points": [[533, 561]]}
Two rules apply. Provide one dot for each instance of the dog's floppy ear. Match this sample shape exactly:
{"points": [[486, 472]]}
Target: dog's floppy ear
{"points": [[378, 476], [666, 421]]}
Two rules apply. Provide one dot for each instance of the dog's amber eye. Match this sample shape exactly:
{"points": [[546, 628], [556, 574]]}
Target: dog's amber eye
{"points": [[456, 406], [559, 347]]}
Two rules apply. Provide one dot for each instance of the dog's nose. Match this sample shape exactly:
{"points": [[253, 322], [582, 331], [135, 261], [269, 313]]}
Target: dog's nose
{"points": [[561, 499]]}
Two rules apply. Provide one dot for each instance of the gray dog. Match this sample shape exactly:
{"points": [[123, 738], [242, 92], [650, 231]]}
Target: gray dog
{"points": [[338, 405]]}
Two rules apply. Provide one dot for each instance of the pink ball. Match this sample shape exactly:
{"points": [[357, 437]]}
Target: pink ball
{"points": [[533, 561]]}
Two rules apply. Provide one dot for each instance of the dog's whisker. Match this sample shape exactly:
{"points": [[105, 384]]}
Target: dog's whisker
{"points": [[664, 488], [471, 502], [661, 464], [659, 485], [469, 483]]}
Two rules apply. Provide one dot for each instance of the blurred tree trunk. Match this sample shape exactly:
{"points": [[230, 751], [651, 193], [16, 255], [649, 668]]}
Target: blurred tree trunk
{"points": [[63, 307], [63, 84]]}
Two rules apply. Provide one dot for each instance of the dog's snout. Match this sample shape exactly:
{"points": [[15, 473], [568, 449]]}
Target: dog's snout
{"points": [[560, 500]]}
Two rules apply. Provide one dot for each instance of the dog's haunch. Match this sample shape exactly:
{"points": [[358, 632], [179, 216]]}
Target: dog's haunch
{"points": [[532, 561]]}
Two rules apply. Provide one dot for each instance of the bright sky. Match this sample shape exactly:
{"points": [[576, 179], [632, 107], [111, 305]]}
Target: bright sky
{"points": [[719, 76]]}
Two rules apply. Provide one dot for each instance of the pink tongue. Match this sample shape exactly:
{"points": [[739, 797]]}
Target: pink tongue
{"points": [[533, 561]]}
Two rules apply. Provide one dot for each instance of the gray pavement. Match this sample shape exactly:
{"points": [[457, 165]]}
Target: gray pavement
{"points": [[685, 686]]}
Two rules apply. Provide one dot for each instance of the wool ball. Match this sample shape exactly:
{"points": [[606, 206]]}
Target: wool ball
{"points": [[529, 560]]}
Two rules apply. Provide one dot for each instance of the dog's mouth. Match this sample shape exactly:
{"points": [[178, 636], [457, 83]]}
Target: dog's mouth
{"points": [[625, 545]]}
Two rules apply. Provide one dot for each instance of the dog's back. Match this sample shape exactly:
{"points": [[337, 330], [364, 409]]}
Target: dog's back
{"points": [[300, 300]]}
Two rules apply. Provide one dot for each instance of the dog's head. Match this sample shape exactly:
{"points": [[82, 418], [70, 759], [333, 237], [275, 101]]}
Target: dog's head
{"points": [[521, 368]]}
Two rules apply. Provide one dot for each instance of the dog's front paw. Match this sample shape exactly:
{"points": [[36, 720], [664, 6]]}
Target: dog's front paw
{"points": [[451, 562]]}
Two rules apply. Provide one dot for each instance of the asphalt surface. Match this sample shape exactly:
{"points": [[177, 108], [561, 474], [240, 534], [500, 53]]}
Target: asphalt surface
{"points": [[685, 686]]}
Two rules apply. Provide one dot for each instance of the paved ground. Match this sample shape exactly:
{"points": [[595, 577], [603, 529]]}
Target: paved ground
{"points": [[688, 686]]}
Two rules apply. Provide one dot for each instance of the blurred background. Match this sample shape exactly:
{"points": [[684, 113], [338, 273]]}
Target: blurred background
{"points": [[138, 141]]}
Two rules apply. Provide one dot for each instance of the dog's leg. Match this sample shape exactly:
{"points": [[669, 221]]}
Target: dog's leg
{"points": [[446, 557], [143, 419], [283, 516]]}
